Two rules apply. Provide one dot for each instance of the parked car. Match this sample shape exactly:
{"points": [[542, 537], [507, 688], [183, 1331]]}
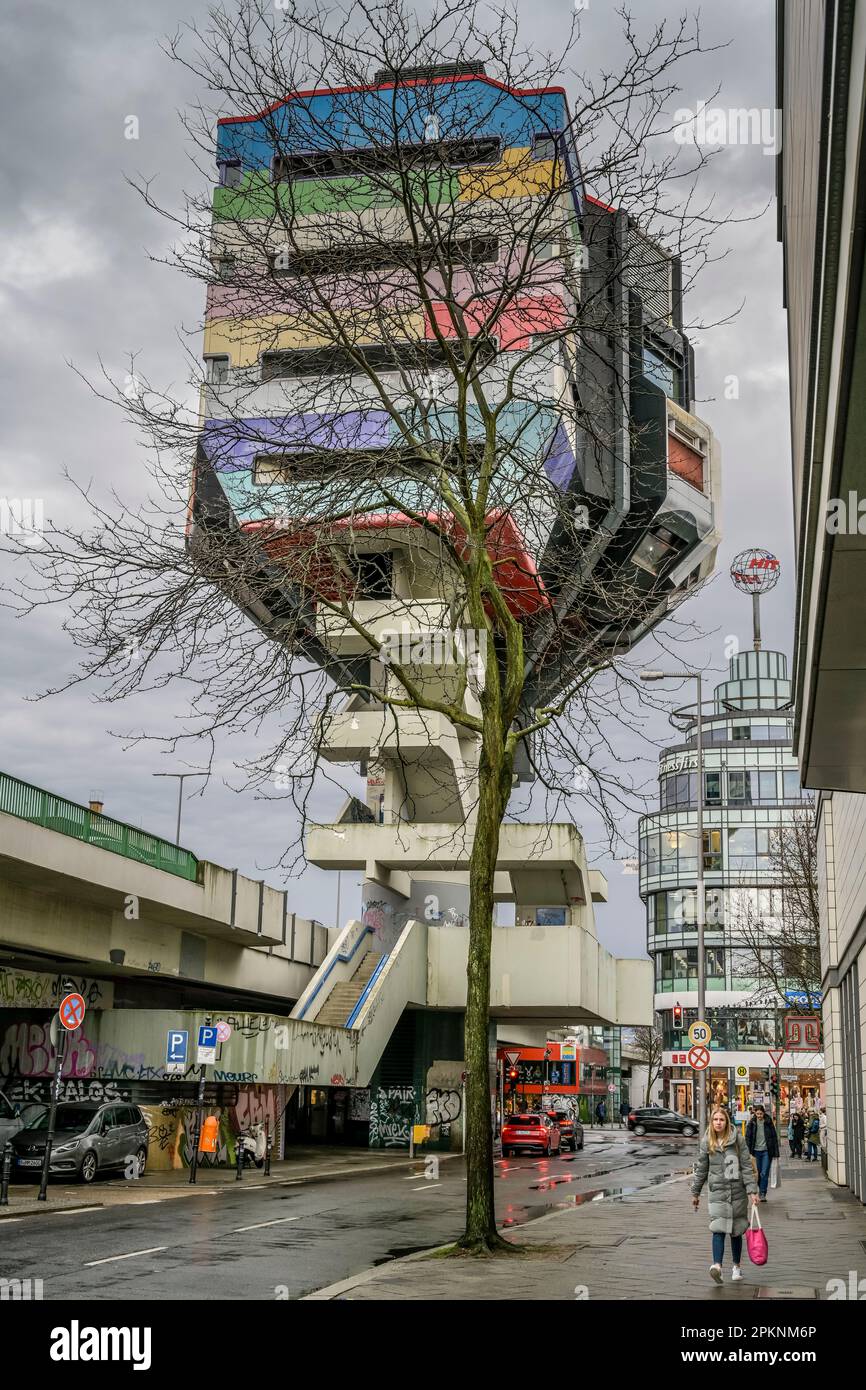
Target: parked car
{"points": [[570, 1129], [653, 1120], [89, 1138], [14, 1117], [536, 1132]]}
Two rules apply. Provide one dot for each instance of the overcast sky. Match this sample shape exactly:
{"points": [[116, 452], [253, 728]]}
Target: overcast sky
{"points": [[77, 286]]}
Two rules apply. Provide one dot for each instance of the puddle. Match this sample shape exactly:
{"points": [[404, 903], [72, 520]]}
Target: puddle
{"points": [[520, 1215]]}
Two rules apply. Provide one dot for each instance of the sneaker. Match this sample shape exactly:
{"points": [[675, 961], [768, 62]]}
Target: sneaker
{"points": [[716, 1273], [736, 1274]]}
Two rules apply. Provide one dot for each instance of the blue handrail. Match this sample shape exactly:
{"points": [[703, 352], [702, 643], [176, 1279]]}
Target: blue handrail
{"points": [[368, 931], [367, 988]]}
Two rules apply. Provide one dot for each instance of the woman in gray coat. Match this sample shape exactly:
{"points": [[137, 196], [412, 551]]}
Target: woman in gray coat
{"points": [[724, 1161]]}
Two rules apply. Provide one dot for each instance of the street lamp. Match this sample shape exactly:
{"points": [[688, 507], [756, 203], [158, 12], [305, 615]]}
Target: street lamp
{"points": [[181, 777], [699, 889]]}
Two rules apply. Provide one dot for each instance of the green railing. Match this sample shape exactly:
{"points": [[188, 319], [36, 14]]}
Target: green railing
{"points": [[56, 813]]}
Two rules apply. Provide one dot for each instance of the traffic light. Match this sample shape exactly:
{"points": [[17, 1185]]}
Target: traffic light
{"points": [[512, 1077], [678, 1016]]}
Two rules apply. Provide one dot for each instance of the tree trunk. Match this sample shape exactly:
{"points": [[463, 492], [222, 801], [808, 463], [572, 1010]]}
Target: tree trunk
{"points": [[494, 788]]}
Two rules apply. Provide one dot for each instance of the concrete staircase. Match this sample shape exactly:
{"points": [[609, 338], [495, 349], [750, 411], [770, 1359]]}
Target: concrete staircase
{"points": [[339, 1004]]}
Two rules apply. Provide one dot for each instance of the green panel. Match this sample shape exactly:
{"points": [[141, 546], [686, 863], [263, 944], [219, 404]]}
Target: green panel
{"points": [[259, 197]]}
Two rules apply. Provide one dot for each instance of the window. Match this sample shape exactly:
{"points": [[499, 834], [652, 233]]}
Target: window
{"points": [[715, 962], [713, 787], [740, 787], [740, 733], [712, 851], [544, 146], [346, 260], [387, 159], [216, 370], [422, 357], [792, 785], [231, 173], [767, 788]]}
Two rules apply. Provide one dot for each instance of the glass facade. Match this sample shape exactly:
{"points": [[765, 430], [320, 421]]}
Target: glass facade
{"points": [[751, 788]]}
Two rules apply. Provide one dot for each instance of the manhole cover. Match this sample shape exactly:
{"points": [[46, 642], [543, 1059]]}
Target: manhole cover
{"points": [[786, 1291]]}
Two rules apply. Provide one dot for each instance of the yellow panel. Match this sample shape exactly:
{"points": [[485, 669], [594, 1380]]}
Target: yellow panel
{"points": [[517, 175], [244, 340]]}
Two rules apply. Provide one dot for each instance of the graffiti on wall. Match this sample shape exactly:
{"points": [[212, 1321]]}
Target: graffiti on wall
{"points": [[27, 1089], [27, 989], [392, 1110], [443, 1107], [173, 1126]]}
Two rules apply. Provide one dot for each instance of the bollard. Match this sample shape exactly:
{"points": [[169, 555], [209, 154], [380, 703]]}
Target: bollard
{"points": [[5, 1173], [239, 1156], [268, 1146]]}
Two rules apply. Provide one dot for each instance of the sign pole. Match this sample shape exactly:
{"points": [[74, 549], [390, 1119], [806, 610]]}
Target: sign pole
{"points": [[59, 1053]]}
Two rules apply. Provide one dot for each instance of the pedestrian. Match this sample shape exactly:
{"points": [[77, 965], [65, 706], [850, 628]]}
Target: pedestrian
{"points": [[813, 1130], [723, 1162], [600, 1112], [791, 1142], [762, 1142], [624, 1111], [799, 1127], [822, 1129]]}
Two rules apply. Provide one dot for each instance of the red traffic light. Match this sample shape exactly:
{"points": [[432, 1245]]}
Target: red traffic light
{"points": [[512, 1074], [678, 1013]]}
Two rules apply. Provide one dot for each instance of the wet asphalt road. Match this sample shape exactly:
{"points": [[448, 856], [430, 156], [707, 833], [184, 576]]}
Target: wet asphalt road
{"points": [[289, 1240]]}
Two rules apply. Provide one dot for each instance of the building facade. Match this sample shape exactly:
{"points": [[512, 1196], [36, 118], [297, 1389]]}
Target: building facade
{"points": [[751, 788], [821, 193]]}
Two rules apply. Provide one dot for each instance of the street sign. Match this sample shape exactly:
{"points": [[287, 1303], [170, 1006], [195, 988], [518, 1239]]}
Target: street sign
{"points": [[207, 1044], [72, 1010], [700, 1032], [699, 1057], [801, 996], [224, 1030], [568, 1052], [176, 1047], [742, 1073], [775, 1055], [612, 1086], [512, 1058]]}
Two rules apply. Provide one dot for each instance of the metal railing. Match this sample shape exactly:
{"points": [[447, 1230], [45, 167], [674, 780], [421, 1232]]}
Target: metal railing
{"points": [[67, 818]]}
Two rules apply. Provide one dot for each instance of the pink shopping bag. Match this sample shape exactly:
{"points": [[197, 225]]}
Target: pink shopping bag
{"points": [[756, 1241]]}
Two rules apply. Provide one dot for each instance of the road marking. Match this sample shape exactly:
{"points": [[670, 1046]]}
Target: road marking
{"points": [[282, 1221], [153, 1250], [413, 1176], [425, 1186], [74, 1211]]}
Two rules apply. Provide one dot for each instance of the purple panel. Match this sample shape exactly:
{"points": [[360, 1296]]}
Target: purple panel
{"points": [[560, 461], [232, 445]]}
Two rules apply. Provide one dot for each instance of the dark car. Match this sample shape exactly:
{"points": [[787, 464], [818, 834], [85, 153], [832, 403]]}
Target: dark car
{"points": [[536, 1132], [570, 1129], [15, 1116], [89, 1138], [652, 1120]]}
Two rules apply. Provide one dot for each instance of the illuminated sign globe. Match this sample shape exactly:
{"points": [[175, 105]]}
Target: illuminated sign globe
{"points": [[755, 571]]}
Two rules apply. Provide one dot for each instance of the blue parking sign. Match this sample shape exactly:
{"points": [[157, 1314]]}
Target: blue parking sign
{"points": [[176, 1047], [207, 1036]]}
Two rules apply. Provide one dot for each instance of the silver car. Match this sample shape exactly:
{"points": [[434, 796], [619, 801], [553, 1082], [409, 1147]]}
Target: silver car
{"points": [[15, 1116], [89, 1138]]}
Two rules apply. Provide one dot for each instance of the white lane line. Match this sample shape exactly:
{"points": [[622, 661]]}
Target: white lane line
{"points": [[76, 1211], [10, 1220], [153, 1250], [412, 1177], [282, 1221], [425, 1187]]}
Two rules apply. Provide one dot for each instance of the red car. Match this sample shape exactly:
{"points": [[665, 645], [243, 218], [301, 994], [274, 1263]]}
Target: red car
{"points": [[535, 1132]]}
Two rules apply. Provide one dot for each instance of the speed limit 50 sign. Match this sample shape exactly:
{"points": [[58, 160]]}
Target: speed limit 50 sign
{"points": [[700, 1032]]}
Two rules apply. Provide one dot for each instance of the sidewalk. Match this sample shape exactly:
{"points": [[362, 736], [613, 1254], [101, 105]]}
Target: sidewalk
{"points": [[314, 1163], [647, 1245]]}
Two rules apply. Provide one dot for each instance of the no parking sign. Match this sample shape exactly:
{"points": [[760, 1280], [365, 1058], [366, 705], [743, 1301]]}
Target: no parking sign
{"points": [[72, 1010]]}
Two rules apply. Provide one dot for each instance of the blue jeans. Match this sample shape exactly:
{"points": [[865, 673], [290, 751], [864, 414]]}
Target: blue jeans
{"points": [[762, 1158], [812, 1150], [719, 1248]]}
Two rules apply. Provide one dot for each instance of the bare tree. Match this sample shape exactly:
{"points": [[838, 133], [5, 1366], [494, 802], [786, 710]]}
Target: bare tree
{"points": [[420, 391], [777, 931], [648, 1045]]}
